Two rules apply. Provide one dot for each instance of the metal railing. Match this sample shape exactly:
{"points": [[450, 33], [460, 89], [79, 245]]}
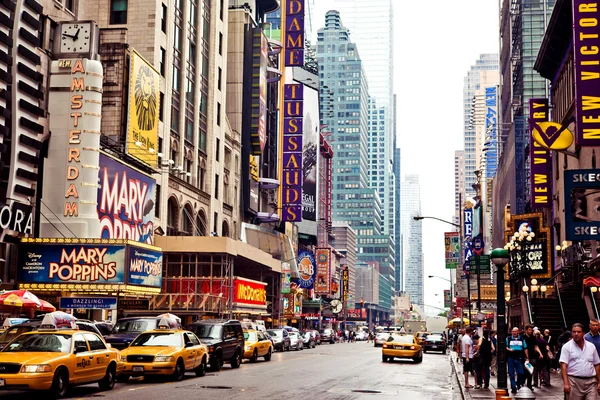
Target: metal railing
{"points": [[200, 302]]}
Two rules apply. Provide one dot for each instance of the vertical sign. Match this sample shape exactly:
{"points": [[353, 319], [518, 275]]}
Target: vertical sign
{"points": [[581, 215], [258, 129], [310, 153], [323, 282], [586, 43], [452, 249], [491, 129], [539, 158], [294, 33], [286, 278], [345, 283], [292, 152], [447, 298], [468, 236]]}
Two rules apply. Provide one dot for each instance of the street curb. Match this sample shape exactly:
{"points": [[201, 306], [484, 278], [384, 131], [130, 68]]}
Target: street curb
{"points": [[453, 363]]}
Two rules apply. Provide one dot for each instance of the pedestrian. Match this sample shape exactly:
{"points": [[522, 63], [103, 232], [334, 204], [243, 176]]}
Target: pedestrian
{"points": [[493, 364], [551, 340], [542, 369], [458, 347], [564, 337], [534, 356], [516, 349], [579, 367], [593, 336], [467, 355], [484, 350]]}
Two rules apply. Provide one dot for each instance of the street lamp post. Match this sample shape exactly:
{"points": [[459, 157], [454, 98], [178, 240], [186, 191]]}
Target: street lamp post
{"points": [[500, 258], [451, 286]]}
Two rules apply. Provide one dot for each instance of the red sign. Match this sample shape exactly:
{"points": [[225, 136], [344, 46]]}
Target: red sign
{"points": [[249, 292], [357, 313], [324, 261], [461, 302]]}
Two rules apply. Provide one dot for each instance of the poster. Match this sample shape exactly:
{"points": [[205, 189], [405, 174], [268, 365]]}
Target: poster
{"points": [[323, 280]]}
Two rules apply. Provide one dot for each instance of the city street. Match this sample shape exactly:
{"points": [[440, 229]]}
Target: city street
{"points": [[328, 372]]}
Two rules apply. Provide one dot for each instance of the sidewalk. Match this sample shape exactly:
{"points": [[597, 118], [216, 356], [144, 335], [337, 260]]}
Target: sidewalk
{"points": [[554, 392]]}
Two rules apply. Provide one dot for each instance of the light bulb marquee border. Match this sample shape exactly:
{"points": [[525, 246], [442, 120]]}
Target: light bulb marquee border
{"points": [[542, 234]]}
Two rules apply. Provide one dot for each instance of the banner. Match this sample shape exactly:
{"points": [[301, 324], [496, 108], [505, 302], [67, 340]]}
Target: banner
{"points": [[491, 131], [447, 299], [323, 281], [260, 60], [581, 215], [293, 131], [540, 159], [345, 283], [452, 249], [307, 268], [126, 200], [294, 33], [145, 267], [286, 278], [468, 237], [310, 153], [586, 66], [142, 121]]}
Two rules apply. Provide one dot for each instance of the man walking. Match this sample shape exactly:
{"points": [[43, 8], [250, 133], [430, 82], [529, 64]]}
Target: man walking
{"points": [[467, 352], [593, 336], [534, 356], [580, 367], [516, 349]]}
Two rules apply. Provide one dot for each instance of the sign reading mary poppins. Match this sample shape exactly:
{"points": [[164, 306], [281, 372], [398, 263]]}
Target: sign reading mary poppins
{"points": [[145, 267], [307, 267], [587, 73]]}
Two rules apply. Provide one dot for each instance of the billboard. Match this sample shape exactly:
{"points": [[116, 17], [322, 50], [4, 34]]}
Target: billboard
{"points": [[251, 293], [145, 267], [308, 269], [142, 121], [581, 193], [540, 158], [292, 152], [468, 236], [126, 200], [323, 279], [88, 303], [294, 33], [491, 130], [586, 43], [258, 127], [310, 152], [447, 298], [536, 256], [452, 249]]}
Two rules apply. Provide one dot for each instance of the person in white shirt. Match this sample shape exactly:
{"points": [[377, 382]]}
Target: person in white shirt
{"points": [[468, 352], [580, 367]]}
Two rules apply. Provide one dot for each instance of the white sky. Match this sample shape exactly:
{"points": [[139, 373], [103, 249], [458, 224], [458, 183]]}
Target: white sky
{"points": [[436, 42]]}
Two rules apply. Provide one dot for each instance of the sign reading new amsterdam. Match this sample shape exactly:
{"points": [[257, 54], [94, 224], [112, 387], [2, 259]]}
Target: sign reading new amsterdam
{"points": [[125, 202], [66, 263], [145, 267], [307, 267]]}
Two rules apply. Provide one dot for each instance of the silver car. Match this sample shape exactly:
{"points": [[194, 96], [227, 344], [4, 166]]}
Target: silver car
{"points": [[296, 341], [381, 338]]}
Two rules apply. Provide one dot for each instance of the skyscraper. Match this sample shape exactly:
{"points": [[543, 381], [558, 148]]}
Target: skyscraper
{"points": [[459, 182], [412, 239], [399, 286]]}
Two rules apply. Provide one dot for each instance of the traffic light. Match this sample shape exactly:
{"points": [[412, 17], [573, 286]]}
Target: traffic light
{"points": [[362, 302], [411, 307]]}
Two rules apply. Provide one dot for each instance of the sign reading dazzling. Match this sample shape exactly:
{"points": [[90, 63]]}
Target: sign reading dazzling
{"points": [[586, 45], [292, 152], [294, 33], [539, 158]]}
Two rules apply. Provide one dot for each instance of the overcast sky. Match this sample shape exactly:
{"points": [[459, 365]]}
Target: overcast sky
{"points": [[436, 42]]}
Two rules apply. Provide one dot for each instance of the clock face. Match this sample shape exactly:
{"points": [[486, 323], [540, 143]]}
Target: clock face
{"points": [[75, 38]]}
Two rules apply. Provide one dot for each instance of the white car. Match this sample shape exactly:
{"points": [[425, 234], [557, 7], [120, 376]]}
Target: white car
{"points": [[381, 338], [296, 341], [362, 335]]}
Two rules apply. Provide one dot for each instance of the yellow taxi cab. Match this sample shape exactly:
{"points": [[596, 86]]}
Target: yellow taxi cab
{"points": [[8, 322], [165, 351], [56, 357], [257, 345], [420, 336], [401, 346]]}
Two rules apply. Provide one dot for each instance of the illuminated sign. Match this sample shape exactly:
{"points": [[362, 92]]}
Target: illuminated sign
{"points": [[323, 279], [581, 215], [307, 268], [586, 43], [540, 160], [89, 303], [345, 283], [294, 33], [247, 292], [292, 152], [18, 218], [142, 122], [144, 267], [491, 130]]}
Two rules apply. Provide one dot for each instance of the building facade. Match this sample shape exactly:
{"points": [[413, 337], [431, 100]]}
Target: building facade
{"points": [[412, 239]]}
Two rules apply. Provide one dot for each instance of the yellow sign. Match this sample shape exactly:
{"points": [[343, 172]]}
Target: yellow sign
{"points": [[142, 124], [552, 135], [488, 292]]}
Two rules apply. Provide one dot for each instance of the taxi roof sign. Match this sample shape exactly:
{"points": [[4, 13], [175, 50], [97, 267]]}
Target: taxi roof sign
{"points": [[8, 322], [168, 323], [58, 320]]}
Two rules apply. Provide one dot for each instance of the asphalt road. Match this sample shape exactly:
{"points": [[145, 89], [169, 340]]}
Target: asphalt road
{"points": [[342, 371]]}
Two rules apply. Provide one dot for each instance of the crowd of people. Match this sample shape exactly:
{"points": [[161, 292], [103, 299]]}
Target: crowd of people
{"points": [[532, 357]]}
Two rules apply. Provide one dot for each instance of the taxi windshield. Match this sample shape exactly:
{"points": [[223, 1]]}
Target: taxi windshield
{"points": [[208, 331], [134, 326], [404, 339], [158, 339], [250, 336], [57, 343]]}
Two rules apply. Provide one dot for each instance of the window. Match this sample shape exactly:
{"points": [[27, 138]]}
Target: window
{"points": [[163, 19], [192, 54], [118, 12], [216, 191], [203, 140], [70, 5], [94, 342], [219, 77], [157, 201], [79, 341], [220, 44], [215, 223], [218, 149], [161, 106], [218, 117], [189, 129], [175, 119], [221, 11], [163, 58]]}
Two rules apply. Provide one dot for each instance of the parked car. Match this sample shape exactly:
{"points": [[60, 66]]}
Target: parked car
{"points": [[225, 341], [434, 342], [328, 335], [33, 325], [316, 335], [257, 345], [281, 337], [270, 338], [309, 340], [127, 329], [361, 335], [296, 341]]}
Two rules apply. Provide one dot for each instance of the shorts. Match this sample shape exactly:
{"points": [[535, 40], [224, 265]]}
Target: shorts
{"points": [[467, 366]]}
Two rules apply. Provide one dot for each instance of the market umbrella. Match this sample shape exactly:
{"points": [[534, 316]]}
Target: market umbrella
{"points": [[46, 306], [19, 298], [457, 320]]}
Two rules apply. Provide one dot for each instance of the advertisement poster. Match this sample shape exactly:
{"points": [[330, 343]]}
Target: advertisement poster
{"points": [[323, 282], [145, 267], [310, 153], [248, 292], [307, 267], [126, 200], [581, 204], [88, 303], [286, 278], [447, 298], [258, 131], [66, 263], [452, 249], [142, 122]]}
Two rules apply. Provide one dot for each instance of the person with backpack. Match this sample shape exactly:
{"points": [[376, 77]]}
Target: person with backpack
{"points": [[516, 350]]}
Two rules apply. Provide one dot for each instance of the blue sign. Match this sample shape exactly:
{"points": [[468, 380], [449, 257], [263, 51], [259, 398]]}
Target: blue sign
{"points": [[581, 202], [307, 267], [90, 303], [144, 267], [71, 263]]}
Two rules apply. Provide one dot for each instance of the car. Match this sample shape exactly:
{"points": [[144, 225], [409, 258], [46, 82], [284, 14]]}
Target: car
{"points": [[316, 335], [33, 325], [166, 351], [57, 356], [256, 344], [434, 342], [281, 337], [127, 329], [225, 341], [328, 335], [308, 339], [296, 341], [270, 338], [401, 346], [361, 335], [380, 339], [420, 336]]}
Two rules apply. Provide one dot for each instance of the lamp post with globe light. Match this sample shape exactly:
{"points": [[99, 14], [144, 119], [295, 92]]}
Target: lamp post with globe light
{"points": [[500, 258]]}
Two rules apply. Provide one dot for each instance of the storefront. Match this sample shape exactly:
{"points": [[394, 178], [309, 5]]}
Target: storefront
{"points": [[89, 277]]}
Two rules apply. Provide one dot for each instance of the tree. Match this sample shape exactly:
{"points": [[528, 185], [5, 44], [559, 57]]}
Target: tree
{"points": [[443, 314]]}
